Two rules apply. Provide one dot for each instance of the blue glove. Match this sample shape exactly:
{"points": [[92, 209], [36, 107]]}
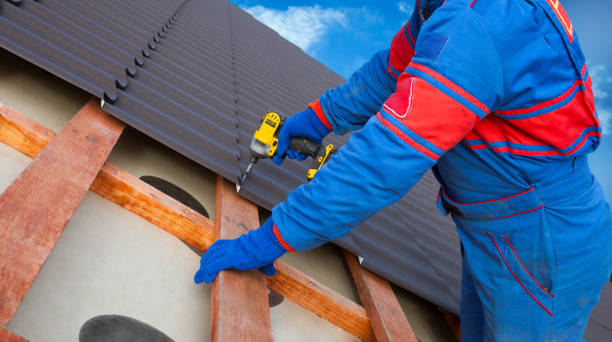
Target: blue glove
{"points": [[305, 124], [257, 249]]}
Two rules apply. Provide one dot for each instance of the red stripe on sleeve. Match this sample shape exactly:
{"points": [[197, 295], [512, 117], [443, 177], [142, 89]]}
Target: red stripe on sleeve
{"points": [[316, 107], [430, 113], [401, 52], [391, 71], [452, 86], [410, 34], [406, 138], [280, 239]]}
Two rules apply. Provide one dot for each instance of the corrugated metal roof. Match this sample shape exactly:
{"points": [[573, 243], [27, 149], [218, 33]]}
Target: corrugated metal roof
{"points": [[600, 324], [197, 75]]}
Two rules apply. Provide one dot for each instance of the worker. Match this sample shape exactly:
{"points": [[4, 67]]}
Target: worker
{"points": [[495, 97]]}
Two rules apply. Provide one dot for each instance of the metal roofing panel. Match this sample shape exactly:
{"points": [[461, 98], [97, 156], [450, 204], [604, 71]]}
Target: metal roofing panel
{"points": [[197, 75], [599, 328], [401, 259]]}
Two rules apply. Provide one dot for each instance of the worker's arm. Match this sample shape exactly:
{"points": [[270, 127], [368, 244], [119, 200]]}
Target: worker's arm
{"points": [[342, 109], [349, 106], [452, 83]]}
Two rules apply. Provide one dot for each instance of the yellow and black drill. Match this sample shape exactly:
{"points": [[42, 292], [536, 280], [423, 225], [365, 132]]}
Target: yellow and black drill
{"points": [[265, 140]]}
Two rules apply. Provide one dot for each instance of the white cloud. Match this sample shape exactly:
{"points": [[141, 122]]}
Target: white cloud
{"points": [[602, 85], [601, 79], [301, 25], [404, 7], [605, 119]]}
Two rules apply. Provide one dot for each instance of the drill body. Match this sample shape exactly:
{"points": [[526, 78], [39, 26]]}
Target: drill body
{"points": [[265, 140]]}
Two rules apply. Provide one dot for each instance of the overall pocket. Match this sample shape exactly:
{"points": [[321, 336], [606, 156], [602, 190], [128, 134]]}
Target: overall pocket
{"points": [[512, 239], [529, 263]]}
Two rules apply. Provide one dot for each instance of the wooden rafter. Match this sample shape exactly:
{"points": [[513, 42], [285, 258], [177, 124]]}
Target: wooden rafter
{"points": [[321, 300], [29, 137], [240, 310], [154, 206], [386, 315], [36, 207], [113, 183], [7, 336], [22, 133]]}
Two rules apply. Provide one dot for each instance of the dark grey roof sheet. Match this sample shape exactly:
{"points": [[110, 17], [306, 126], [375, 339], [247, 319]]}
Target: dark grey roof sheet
{"points": [[600, 324], [197, 75]]}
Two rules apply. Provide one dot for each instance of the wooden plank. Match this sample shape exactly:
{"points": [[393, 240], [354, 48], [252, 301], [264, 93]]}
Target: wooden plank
{"points": [[240, 310], [23, 133], [7, 336], [154, 206], [170, 215], [113, 183], [321, 300], [386, 315], [35, 209]]}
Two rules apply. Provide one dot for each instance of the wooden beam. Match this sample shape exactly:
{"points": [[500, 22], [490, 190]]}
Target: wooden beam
{"points": [[321, 300], [36, 208], [22, 133], [240, 310], [386, 315], [189, 226], [113, 183], [154, 206], [7, 336]]}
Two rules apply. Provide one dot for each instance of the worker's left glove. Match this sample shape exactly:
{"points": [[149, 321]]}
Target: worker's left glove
{"points": [[257, 249]]}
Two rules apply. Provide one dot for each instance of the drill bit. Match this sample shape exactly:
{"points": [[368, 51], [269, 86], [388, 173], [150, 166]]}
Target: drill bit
{"points": [[246, 173]]}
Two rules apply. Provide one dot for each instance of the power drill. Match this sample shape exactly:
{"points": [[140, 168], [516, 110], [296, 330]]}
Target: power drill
{"points": [[265, 140]]}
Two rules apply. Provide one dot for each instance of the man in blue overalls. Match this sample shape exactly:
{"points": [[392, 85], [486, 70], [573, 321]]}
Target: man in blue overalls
{"points": [[496, 97]]}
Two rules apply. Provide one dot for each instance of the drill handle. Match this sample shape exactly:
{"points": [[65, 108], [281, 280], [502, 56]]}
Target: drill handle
{"points": [[305, 146]]}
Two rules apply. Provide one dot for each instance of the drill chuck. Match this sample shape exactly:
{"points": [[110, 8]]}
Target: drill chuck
{"points": [[258, 149]]}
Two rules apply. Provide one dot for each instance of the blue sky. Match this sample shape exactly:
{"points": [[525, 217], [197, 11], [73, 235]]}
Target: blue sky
{"points": [[345, 34]]}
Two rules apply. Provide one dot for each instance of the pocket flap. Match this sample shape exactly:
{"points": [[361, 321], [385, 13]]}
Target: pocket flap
{"points": [[520, 203]]}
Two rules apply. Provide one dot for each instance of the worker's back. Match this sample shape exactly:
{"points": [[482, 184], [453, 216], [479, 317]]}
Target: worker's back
{"points": [[546, 122], [532, 219]]}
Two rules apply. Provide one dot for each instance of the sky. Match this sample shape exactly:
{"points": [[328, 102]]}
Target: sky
{"points": [[345, 34]]}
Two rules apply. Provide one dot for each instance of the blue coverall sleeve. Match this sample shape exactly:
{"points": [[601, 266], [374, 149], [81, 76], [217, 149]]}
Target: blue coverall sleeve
{"points": [[350, 105], [453, 82]]}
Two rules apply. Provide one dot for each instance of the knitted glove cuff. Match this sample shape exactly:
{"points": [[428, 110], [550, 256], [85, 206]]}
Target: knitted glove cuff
{"points": [[266, 241], [319, 129], [318, 109]]}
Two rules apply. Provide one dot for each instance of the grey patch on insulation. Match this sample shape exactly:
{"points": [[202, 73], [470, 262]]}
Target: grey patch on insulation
{"points": [[116, 328], [177, 193], [274, 298]]}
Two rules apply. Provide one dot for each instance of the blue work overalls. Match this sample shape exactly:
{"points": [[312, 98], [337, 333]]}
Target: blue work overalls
{"points": [[534, 263], [496, 97]]}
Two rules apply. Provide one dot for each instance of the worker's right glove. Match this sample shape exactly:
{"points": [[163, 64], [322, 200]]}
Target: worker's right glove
{"points": [[257, 249], [305, 124]]}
